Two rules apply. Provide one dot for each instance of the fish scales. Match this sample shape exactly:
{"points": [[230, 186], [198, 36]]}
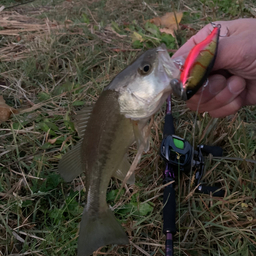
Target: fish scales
{"points": [[106, 140]]}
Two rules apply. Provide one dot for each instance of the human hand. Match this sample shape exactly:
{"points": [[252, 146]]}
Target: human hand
{"points": [[232, 83]]}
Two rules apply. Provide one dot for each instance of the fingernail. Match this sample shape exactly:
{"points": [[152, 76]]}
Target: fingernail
{"points": [[236, 85]]}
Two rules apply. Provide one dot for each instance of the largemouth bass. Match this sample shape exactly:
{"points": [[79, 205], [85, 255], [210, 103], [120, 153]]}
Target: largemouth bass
{"points": [[119, 118]]}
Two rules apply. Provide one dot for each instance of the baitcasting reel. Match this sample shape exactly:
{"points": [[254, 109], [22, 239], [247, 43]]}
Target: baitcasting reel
{"points": [[180, 155]]}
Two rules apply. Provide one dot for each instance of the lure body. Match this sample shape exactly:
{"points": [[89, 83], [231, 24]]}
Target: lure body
{"points": [[199, 63]]}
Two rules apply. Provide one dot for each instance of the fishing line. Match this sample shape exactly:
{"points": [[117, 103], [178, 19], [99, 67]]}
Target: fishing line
{"points": [[179, 182], [193, 148], [234, 158]]}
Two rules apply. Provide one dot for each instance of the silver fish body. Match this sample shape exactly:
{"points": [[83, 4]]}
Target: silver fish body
{"points": [[118, 118]]}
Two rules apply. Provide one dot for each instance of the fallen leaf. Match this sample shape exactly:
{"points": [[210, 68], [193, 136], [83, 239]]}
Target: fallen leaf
{"points": [[244, 205], [52, 141], [249, 218], [169, 31], [137, 37], [156, 21], [168, 22], [5, 110], [65, 141], [68, 21]]}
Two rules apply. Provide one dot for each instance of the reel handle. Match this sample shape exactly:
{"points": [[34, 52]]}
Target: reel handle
{"points": [[216, 191], [214, 150]]}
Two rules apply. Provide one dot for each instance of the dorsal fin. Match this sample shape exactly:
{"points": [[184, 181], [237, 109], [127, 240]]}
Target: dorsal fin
{"points": [[81, 119]]}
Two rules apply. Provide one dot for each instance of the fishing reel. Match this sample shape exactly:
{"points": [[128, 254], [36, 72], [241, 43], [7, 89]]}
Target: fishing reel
{"points": [[177, 152], [181, 156]]}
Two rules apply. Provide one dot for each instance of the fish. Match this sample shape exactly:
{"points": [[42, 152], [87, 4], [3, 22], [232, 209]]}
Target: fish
{"points": [[119, 118]]}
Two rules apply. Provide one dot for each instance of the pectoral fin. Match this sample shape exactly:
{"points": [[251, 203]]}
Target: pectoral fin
{"points": [[70, 165], [140, 133], [122, 171]]}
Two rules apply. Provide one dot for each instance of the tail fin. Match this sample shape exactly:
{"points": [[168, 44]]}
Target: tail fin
{"points": [[97, 231]]}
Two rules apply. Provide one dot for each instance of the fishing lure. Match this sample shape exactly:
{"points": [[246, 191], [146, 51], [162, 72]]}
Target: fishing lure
{"points": [[198, 65]]}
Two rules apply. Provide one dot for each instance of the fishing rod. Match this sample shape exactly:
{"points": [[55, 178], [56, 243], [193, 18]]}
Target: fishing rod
{"points": [[169, 211], [179, 156]]}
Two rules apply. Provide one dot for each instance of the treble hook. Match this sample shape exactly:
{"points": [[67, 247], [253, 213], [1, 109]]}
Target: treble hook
{"points": [[214, 25]]}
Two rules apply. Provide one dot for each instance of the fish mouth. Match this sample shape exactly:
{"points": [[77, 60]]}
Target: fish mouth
{"points": [[166, 64], [172, 71], [178, 89]]}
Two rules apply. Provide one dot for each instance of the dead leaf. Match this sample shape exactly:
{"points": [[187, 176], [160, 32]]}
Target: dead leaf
{"points": [[68, 21], [5, 110], [136, 36], [168, 22], [169, 31], [52, 141], [65, 141]]}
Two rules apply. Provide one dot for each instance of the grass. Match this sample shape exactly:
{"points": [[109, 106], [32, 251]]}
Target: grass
{"points": [[53, 73]]}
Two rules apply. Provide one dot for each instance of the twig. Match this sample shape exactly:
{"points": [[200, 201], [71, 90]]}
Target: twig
{"points": [[150, 8], [139, 248], [9, 7], [124, 50], [92, 16]]}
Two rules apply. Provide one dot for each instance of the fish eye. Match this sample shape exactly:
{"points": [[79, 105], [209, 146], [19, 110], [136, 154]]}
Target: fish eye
{"points": [[145, 69]]}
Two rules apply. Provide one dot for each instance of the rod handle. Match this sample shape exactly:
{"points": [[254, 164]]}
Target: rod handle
{"points": [[169, 210], [168, 125]]}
